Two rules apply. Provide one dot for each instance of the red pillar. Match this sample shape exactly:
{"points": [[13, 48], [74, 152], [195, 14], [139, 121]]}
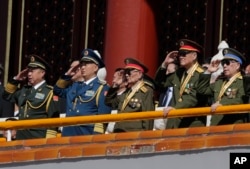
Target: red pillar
{"points": [[130, 32]]}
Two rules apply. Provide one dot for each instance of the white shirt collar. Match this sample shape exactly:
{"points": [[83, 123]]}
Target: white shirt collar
{"points": [[90, 80], [39, 84]]}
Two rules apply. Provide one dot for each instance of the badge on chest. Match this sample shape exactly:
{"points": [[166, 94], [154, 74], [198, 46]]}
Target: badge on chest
{"points": [[90, 93], [40, 96]]}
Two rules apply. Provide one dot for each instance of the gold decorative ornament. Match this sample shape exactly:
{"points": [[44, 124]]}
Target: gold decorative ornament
{"points": [[180, 99]]}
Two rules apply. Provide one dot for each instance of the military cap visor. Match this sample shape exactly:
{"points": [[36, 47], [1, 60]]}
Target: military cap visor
{"points": [[86, 59]]}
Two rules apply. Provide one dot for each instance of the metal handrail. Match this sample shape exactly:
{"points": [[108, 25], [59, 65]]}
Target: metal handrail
{"points": [[56, 122]]}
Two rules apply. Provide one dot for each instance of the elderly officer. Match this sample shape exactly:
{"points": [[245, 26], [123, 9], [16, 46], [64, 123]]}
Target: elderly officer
{"points": [[228, 89], [84, 98], [189, 83], [35, 100], [138, 97]]}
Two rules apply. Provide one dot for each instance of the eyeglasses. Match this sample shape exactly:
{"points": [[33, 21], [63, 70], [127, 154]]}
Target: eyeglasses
{"points": [[130, 71], [228, 62], [184, 52]]}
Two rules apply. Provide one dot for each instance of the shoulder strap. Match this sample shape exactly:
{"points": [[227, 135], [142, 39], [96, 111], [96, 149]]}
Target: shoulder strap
{"points": [[49, 99], [98, 92]]}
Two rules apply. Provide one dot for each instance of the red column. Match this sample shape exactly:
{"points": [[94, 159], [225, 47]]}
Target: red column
{"points": [[130, 32]]}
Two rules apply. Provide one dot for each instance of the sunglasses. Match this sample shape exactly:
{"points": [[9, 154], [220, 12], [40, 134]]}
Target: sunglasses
{"points": [[184, 52], [130, 71], [228, 62]]}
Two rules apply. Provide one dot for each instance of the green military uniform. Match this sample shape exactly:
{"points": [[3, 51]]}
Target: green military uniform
{"points": [[33, 104], [139, 101], [138, 98], [191, 97], [229, 89], [234, 94]]}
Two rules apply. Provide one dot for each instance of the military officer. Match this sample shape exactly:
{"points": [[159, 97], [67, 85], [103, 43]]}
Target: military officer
{"points": [[228, 89], [84, 98], [35, 100], [138, 97], [189, 83]]}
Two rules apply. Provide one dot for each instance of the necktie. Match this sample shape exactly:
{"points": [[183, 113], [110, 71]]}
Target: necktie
{"points": [[167, 97]]}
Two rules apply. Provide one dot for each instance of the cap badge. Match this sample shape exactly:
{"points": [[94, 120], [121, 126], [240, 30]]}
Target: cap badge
{"points": [[126, 61], [225, 51], [86, 53], [32, 59], [181, 43]]}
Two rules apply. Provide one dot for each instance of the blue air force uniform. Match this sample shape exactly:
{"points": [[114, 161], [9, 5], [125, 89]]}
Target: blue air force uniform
{"points": [[83, 99]]}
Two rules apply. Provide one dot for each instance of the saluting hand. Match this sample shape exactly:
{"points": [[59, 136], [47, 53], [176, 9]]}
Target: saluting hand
{"points": [[213, 66], [72, 70], [119, 80], [170, 58], [22, 75]]}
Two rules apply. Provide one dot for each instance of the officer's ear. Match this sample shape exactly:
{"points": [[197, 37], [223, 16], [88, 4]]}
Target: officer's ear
{"points": [[194, 55]]}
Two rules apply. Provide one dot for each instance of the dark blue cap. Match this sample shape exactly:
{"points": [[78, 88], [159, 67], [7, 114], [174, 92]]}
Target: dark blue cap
{"points": [[88, 55], [230, 53]]}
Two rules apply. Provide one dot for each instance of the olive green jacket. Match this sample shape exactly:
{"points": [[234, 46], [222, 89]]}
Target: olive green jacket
{"points": [[142, 100], [193, 95], [234, 94], [33, 104]]}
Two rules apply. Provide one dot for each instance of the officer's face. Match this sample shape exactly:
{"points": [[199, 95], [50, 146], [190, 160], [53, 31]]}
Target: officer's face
{"points": [[230, 67], [35, 76], [133, 76], [187, 58], [88, 70]]}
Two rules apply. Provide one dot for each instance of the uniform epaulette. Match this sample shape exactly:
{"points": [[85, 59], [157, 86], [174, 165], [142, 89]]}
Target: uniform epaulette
{"points": [[62, 83], [49, 86], [10, 88], [199, 69], [143, 89]]}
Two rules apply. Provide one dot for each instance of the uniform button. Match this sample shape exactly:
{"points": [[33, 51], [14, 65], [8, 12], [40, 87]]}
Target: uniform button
{"points": [[77, 111], [27, 116]]}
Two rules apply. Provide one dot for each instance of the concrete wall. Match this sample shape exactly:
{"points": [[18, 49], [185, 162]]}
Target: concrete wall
{"points": [[207, 159]]}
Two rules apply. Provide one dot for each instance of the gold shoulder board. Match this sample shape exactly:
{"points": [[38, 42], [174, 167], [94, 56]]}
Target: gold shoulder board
{"points": [[200, 69], [144, 89]]}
